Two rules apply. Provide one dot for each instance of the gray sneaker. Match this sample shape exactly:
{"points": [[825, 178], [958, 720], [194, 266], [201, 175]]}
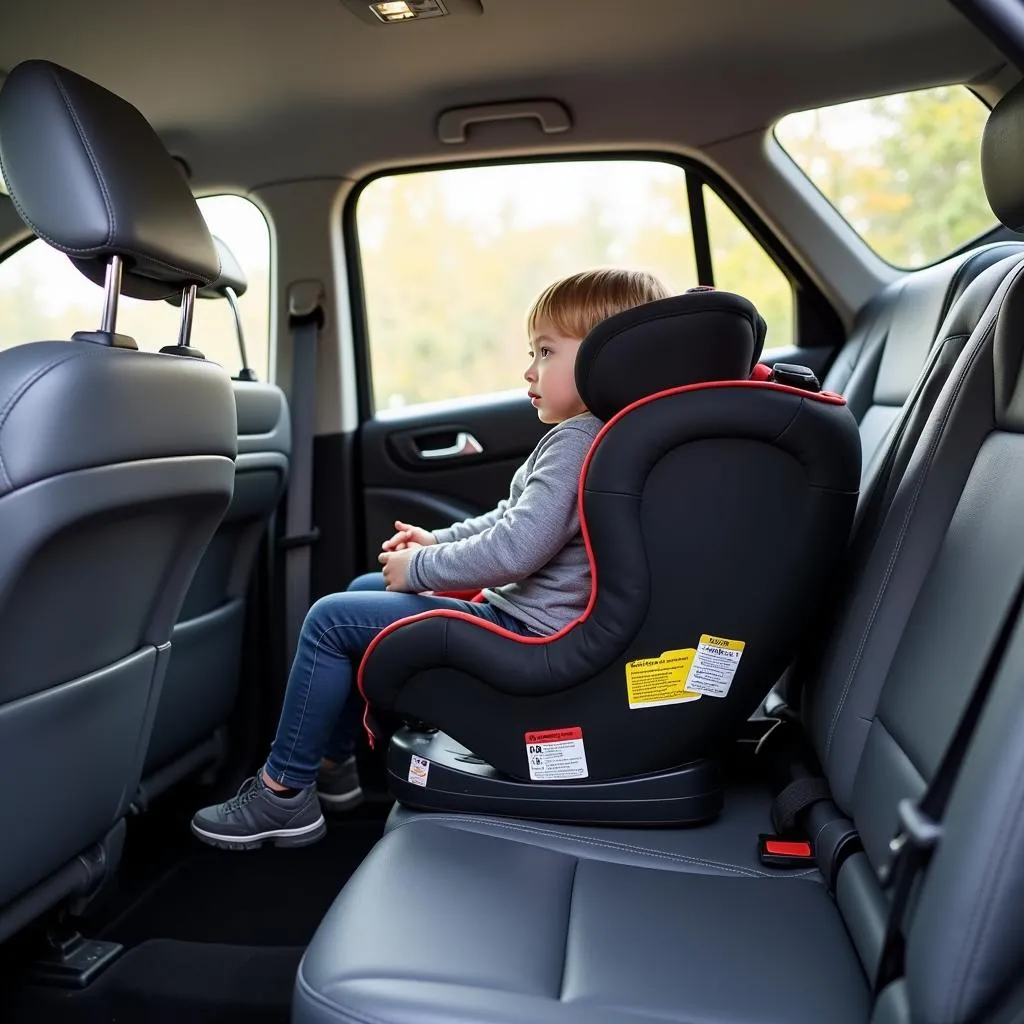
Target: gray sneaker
{"points": [[256, 815], [338, 787]]}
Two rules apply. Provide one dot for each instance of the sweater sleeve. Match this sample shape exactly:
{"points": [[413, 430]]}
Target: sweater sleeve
{"points": [[470, 527], [526, 536]]}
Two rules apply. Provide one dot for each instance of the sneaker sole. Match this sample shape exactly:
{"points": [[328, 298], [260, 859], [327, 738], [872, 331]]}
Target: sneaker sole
{"points": [[341, 801], [277, 837]]}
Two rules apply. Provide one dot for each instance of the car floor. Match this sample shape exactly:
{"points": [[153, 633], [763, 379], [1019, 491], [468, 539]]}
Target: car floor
{"points": [[208, 935]]}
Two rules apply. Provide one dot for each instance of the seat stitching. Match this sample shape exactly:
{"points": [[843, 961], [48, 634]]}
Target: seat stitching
{"points": [[961, 270], [954, 284], [901, 536], [19, 393], [611, 845], [83, 139]]}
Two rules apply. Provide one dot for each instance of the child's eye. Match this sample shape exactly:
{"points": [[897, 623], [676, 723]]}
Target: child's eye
{"points": [[545, 351]]}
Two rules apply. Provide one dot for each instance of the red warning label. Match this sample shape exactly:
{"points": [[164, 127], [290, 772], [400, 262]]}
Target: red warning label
{"points": [[554, 735], [554, 754]]}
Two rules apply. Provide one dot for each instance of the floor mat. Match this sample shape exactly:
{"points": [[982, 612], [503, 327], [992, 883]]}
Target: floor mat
{"points": [[165, 982], [211, 935], [265, 897]]}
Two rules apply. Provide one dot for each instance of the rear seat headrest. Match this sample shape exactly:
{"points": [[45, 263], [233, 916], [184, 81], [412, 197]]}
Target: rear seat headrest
{"points": [[90, 176], [231, 276], [1002, 156], [702, 335]]}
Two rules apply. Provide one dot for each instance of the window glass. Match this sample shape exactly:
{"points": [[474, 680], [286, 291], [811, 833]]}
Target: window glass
{"points": [[42, 296], [452, 260], [904, 170], [741, 265]]}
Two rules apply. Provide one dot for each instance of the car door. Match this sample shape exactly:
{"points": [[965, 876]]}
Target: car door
{"points": [[447, 264]]}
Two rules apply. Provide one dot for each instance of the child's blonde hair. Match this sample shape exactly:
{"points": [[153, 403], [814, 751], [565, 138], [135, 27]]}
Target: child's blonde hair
{"points": [[574, 305]]}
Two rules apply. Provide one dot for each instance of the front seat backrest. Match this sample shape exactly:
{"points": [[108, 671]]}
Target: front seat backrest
{"points": [[116, 466], [203, 677]]}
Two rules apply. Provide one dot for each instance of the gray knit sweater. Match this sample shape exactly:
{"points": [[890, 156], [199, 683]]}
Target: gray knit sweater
{"points": [[527, 554]]}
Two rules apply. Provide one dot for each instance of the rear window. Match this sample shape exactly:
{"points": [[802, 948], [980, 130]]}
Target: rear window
{"points": [[904, 170]]}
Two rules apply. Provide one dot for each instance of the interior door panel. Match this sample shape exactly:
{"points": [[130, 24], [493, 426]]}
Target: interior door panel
{"points": [[439, 466]]}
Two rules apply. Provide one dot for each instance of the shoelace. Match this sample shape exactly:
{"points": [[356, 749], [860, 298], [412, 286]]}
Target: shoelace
{"points": [[249, 790]]}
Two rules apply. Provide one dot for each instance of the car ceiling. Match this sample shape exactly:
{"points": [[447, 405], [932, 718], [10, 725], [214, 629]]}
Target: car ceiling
{"points": [[251, 92]]}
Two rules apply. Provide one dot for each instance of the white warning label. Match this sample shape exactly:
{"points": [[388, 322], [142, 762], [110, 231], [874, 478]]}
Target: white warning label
{"points": [[419, 769], [556, 754], [714, 666]]}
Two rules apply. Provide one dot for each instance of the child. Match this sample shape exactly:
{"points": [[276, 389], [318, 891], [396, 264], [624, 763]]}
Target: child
{"points": [[527, 554]]}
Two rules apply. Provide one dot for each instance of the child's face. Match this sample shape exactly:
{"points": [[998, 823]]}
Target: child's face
{"points": [[550, 375]]}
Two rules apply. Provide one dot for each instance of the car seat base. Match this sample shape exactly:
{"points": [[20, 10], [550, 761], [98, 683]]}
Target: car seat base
{"points": [[454, 779]]}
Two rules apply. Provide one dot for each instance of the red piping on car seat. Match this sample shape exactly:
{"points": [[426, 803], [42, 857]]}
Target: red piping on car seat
{"points": [[450, 613]]}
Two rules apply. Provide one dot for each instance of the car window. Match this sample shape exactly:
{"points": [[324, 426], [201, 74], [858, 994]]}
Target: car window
{"points": [[904, 170], [452, 259], [43, 297], [740, 264]]}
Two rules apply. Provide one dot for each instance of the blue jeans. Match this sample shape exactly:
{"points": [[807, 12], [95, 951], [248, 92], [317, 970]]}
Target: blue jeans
{"points": [[318, 719]]}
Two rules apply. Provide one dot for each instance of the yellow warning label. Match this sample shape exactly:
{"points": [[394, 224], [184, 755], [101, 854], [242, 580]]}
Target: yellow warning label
{"points": [[655, 682]]}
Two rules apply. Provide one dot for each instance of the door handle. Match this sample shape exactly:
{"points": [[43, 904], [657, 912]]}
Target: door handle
{"points": [[465, 444]]}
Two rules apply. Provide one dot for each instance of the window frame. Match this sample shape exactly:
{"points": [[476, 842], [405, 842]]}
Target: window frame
{"points": [[810, 307], [972, 243]]}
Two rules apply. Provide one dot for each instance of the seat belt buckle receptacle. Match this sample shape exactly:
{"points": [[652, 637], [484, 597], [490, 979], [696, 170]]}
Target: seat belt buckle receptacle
{"points": [[784, 851]]}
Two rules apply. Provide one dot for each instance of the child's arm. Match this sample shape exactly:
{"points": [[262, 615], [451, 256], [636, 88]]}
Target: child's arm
{"points": [[470, 527], [522, 540]]}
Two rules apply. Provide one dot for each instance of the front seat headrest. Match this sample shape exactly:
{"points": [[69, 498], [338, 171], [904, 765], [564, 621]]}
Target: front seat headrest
{"points": [[1002, 156], [90, 176], [702, 335]]}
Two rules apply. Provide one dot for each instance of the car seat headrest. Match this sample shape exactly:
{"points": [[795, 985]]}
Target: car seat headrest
{"points": [[90, 176], [231, 276], [701, 335], [1002, 155]]}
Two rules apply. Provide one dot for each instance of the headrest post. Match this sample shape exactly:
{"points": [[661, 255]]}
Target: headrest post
{"points": [[229, 294], [188, 301], [111, 294]]}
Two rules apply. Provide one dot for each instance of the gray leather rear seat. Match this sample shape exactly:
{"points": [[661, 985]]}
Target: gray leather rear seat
{"points": [[892, 337], [473, 919]]}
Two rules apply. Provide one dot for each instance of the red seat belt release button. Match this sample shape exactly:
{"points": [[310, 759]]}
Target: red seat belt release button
{"points": [[781, 852]]}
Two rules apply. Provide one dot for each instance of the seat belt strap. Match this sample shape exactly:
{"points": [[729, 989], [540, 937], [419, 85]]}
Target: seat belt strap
{"points": [[795, 798], [920, 829], [304, 321]]}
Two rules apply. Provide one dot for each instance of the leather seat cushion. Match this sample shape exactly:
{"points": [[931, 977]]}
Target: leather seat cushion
{"points": [[444, 923]]}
